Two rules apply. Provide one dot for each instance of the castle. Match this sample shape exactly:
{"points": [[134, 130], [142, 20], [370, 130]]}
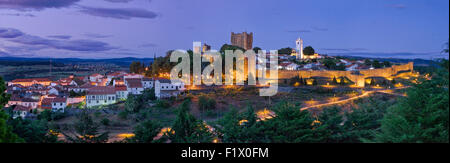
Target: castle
{"points": [[243, 40]]}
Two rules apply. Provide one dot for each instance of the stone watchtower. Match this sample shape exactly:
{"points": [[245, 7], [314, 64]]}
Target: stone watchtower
{"points": [[243, 40]]}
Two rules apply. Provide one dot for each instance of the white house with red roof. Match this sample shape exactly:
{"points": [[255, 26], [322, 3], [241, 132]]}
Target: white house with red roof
{"points": [[95, 78], [21, 111], [31, 81], [59, 104], [134, 86], [121, 92], [100, 95], [29, 102], [117, 74]]}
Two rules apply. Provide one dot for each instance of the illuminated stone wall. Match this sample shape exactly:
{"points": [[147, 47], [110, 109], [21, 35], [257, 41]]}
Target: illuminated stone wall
{"points": [[356, 78]]}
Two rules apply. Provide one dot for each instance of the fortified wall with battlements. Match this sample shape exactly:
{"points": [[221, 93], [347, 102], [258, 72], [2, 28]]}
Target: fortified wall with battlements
{"points": [[357, 78]]}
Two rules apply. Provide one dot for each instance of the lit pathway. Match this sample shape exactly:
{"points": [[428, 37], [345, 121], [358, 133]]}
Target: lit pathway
{"points": [[387, 91]]}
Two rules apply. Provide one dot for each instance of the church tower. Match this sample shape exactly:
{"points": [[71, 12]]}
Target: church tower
{"points": [[299, 47]]}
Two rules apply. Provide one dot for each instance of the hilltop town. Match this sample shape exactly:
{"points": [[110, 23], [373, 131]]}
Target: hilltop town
{"points": [[120, 98]]}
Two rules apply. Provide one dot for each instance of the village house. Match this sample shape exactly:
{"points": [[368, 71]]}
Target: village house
{"points": [[95, 78], [29, 102], [114, 75], [164, 88], [134, 86], [147, 83], [31, 81], [14, 100], [118, 81], [100, 95], [46, 103], [59, 104], [21, 111], [121, 92]]}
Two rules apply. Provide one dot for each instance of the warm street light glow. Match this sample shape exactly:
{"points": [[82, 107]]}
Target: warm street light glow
{"points": [[125, 135]]}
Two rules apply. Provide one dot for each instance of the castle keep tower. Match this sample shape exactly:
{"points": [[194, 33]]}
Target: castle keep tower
{"points": [[243, 40], [299, 47]]}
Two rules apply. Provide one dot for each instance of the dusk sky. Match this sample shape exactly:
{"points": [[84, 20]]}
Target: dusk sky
{"points": [[141, 28]]}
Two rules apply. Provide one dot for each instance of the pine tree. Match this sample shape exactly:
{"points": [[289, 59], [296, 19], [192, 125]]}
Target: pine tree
{"points": [[86, 131], [421, 117], [146, 131], [187, 129], [6, 131], [290, 125]]}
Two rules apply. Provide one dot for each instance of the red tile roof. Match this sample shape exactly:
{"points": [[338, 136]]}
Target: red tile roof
{"points": [[22, 108], [59, 100], [117, 74], [29, 100], [121, 88], [101, 90], [134, 83], [32, 79], [46, 103]]}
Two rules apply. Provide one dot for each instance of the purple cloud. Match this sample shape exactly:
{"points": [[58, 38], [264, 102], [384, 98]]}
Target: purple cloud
{"points": [[18, 14], [10, 33], [64, 37], [119, 1], [122, 1], [16, 36], [95, 35], [24, 5], [119, 13]]}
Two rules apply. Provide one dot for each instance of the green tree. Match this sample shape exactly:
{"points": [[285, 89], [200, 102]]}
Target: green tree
{"points": [[3, 96], [187, 129], [377, 64], [149, 95], [230, 47], [286, 50], [228, 127], [330, 63], [146, 131], [33, 131], [86, 131], [422, 116], [363, 121], [105, 121], [256, 49], [206, 103], [387, 64], [6, 132], [331, 121], [136, 67], [309, 50], [367, 62], [134, 103], [289, 126]]}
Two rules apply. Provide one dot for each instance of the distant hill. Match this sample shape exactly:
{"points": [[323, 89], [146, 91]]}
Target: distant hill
{"points": [[123, 62]]}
